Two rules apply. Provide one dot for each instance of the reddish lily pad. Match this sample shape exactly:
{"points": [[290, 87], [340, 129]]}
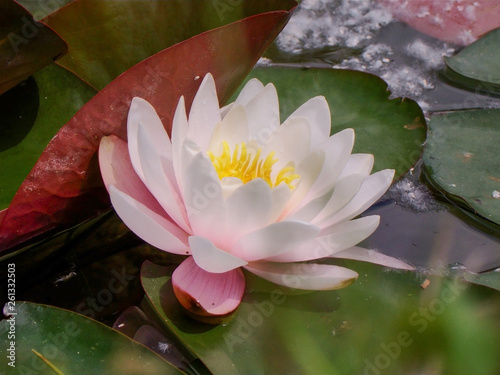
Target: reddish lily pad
{"points": [[459, 22], [108, 37], [26, 46], [65, 187]]}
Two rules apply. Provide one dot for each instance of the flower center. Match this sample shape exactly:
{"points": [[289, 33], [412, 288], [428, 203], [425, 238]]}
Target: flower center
{"points": [[247, 166]]}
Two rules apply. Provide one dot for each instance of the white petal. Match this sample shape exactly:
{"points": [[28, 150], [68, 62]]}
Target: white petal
{"points": [[249, 208], [358, 163], [290, 143], [142, 115], [309, 170], [337, 150], [372, 256], [340, 237], [274, 239], [263, 114], [249, 91], [345, 189], [229, 185], [156, 230], [317, 112], [310, 210], [280, 195], [233, 129], [179, 133], [308, 276], [204, 201], [205, 113], [211, 258], [159, 177], [372, 188]]}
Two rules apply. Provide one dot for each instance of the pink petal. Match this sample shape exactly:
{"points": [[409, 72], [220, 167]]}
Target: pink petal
{"points": [[307, 276], [179, 133], [204, 201], [205, 113], [207, 294], [211, 258], [160, 179], [116, 169], [143, 116], [274, 239], [155, 229], [372, 256]]}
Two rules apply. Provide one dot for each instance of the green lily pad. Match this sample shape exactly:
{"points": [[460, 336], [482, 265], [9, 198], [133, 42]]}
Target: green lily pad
{"points": [[31, 114], [490, 279], [393, 130], [478, 66], [106, 38], [73, 344], [462, 159], [408, 329]]}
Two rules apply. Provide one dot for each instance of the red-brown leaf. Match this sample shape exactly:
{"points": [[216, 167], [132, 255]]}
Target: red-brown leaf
{"points": [[65, 187]]}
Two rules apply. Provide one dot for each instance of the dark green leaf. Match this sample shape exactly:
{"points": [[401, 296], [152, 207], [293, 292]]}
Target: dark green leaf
{"points": [[31, 114], [26, 46], [462, 159], [478, 66], [108, 37], [74, 344]]}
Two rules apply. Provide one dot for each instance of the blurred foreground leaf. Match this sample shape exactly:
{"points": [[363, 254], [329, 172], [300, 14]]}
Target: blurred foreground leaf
{"points": [[74, 344]]}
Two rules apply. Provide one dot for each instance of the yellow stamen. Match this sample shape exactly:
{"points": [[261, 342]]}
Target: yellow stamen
{"points": [[247, 166]]}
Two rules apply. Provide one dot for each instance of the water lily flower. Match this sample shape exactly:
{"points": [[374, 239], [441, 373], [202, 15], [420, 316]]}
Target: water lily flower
{"points": [[232, 188]]}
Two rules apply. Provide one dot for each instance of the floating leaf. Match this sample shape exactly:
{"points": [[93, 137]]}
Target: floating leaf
{"points": [[31, 114], [108, 37], [392, 130], [26, 45], [462, 159], [73, 344], [478, 66], [459, 22], [490, 279], [406, 331], [65, 186]]}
